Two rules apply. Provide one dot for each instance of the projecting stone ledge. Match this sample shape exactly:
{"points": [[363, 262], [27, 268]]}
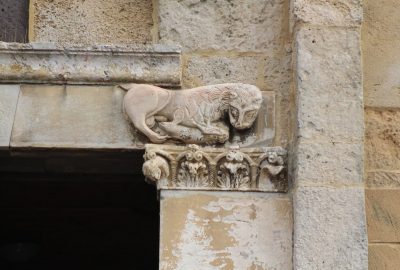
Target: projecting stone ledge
{"points": [[100, 64], [206, 168]]}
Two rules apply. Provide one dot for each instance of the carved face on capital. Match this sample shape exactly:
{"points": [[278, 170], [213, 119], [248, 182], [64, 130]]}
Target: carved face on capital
{"points": [[243, 109]]}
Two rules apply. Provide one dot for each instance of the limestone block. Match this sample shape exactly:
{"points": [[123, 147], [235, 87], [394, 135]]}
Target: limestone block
{"points": [[329, 83], [384, 257], [383, 215], [329, 163], [91, 21], [383, 179], [71, 117], [336, 121], [203, 70], [382, 139], [102, 64], [328, 12], [329, 229], [216, 230], [8, 104], [257, 25], [381, 58]]}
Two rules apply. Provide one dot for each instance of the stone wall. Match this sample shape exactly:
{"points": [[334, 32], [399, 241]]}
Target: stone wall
{"points": [[381, 57]]}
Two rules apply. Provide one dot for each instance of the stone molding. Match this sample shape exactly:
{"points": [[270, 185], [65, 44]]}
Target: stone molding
{"points": [[99, 64], [206, 168]]}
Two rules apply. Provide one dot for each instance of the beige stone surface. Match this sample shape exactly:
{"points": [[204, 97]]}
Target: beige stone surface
{"points": [[329, 229], [8, 104], [383, 179], [382, 139], [384, 256], [383, 215], [215, 230], [329, 163], [91, 21], [71, 117], [258, 25], [328, 12], [203, 70], [330, 102], [99, 64], [381, 58]]}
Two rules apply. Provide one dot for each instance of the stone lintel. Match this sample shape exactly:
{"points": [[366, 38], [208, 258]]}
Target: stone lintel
{"points": [[99, 64], [207, 168]]}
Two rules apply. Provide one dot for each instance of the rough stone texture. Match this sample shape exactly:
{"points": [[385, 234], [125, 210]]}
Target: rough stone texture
{"points": [[334, 163], [8, 104], [328, 12], [383, 179], [381, 36], [46, 62], [256, 25], [382, 139], [384, 257], [329, 229], [71, 117], [91, 21], [214, 230], [329, 84], [203, 70], [383, 215]]}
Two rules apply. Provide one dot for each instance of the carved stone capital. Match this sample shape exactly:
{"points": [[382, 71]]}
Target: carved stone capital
{"points": [[193, 167]]}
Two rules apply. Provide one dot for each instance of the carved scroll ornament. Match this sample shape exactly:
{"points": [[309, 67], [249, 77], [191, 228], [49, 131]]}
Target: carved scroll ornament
{"points": [[194, 115], [206, 168]]}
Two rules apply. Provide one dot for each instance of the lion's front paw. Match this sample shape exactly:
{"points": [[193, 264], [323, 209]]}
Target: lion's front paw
{"points": [[158, 139], [212, 131]]}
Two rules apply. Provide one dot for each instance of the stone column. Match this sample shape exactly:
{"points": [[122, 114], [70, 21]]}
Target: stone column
{"points": [[328, 189], [222, 208]]}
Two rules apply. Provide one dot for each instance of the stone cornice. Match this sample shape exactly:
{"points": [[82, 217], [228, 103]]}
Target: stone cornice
{"points": [[101, 64], [205, 168]]}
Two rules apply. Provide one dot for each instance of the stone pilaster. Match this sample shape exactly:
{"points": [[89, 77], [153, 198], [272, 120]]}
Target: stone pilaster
{"points": [[222, 208], [328, 193]]}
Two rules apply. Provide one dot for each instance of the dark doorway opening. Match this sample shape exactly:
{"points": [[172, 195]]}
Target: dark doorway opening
{"points": [[77, 221]]}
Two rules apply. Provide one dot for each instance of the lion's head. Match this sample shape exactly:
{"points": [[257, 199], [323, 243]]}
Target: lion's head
{"points": [[244, 104]]}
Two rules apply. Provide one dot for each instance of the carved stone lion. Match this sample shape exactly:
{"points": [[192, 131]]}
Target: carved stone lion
{"points": [[194, 115]]}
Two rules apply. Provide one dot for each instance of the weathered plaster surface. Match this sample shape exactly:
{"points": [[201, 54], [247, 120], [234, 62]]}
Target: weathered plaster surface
{"points": [[8, 104], [91, 21], [215, 230], [71, 117], [102, 64]]}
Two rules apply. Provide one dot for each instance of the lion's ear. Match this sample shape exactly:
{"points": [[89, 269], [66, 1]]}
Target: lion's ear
{"points": [[229, 95]]}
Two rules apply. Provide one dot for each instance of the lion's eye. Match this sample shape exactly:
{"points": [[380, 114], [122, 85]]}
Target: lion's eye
{"points": [[234, 112]]}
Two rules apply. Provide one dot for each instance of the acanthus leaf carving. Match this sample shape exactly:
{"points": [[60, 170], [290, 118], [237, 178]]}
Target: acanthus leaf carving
{"points": [[193, 169], [233, 171], [206, 168]]}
